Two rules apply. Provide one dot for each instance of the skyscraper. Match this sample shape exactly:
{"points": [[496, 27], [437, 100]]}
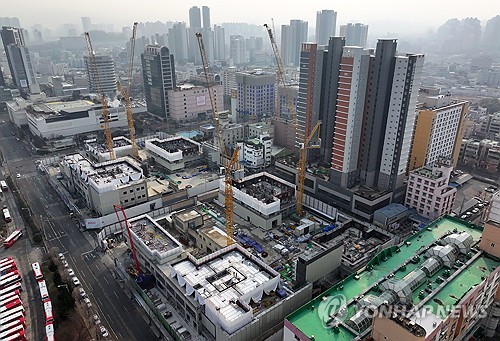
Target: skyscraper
{"points": [[292, 36], [206, 17], [326, 22], [18, 57], [178, 41], [105, 71], [195, 17], [355, 34], [159, 76], [219, 43], [389, 116]]}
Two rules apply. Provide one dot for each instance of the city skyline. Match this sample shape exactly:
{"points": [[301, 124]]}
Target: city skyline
{"points": [[386, 18]]}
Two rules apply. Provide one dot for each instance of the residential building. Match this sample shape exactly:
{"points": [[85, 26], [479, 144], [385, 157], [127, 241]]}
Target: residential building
{"points": [[256, 93], [105, 68], [219, 43], [205, 10], [261, 199], [437, 130], [174, 153], [103, 185], [58, 119], [326, 23], [355, 34], [237, 50], [189, 103], [178, 42], [18, 58], [158, 71], [428, 271], [428, 191], [292, 37]]}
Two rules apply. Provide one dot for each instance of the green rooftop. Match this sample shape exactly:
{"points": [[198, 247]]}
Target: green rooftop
{"points": [[307, 319]]}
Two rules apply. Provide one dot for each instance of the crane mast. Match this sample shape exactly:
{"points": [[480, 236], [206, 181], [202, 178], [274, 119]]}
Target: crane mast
{"points": [[229, 164], [105, 109], [126, 94]]}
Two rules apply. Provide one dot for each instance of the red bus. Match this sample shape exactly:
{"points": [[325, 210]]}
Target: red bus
{"points": [[10, 305], [47, 307], [43, 289], [11, 331], [12, 324], [7, 313], [49, 331], [6, 290], [9, 294], [13, 316], [10, 240], [19, 336], [37, 270], [12, 279], [6, 215], [7, 267], [5, 260]]}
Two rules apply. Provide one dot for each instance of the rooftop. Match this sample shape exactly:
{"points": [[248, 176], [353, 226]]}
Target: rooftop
{"points": [[396, 262]]}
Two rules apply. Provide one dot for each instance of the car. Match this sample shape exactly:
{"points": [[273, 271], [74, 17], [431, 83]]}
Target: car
{"points": [[18, 176], [65, 263], [82, 292], [61, 256], [104, 331], [87, 302], [96, 319], [71, 272], [75, 281]]}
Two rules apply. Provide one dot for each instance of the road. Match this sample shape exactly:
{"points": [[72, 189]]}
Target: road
{"points": [[117, 312]]}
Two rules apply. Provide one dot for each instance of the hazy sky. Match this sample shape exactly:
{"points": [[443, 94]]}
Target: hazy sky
{"points": [[394, 16]]}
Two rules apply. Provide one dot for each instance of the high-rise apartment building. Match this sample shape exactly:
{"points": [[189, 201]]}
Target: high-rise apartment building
{"points": [[437, 131], [389, 116], [326, 22], [355, 34], [237, 50], [219, 43], [292, 36], [178, 41], [18, 57], [205, 10], [195, 17], [255, 93], [105, 71], [159, 76]]}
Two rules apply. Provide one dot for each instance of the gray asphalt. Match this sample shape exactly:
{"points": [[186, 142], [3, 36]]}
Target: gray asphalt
{"points": [[118, 313]]}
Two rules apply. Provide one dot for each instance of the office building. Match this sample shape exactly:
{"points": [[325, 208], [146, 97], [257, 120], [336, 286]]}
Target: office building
{"points": [[355, 34], [292, 36], [438, 128], [205, 10], [326, 23], [159, 77], [105, 68], [102, 185], [237, 50], [219, 43], [195, 17], [188, 103], [256, 93], [18, 58], [178, 41], [428, 191], [441, 283]]}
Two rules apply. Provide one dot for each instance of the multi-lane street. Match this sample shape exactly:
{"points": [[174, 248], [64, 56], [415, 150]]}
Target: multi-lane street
{"points": [[118, 313]]}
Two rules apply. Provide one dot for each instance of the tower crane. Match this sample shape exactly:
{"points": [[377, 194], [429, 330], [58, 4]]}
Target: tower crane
{"points": [[104, 103], [229, 163], [126, 94], [304, 146]]}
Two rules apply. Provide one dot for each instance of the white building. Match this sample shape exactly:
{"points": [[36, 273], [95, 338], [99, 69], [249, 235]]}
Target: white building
{"points": [[105, 184], [59, 119], [261, 199], [174, 153], [190, 103], [428, 191], [99, 152]]}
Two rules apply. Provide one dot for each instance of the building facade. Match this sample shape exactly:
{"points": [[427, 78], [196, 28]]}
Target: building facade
{"points": [[159, 77], [105, 68]]}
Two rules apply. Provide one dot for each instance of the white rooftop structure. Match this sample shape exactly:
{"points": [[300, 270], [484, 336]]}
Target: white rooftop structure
{"points": [[225, 282]]}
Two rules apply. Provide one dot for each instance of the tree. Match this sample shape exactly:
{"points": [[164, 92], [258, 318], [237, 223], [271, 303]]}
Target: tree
{"points": [[492, 104]]}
